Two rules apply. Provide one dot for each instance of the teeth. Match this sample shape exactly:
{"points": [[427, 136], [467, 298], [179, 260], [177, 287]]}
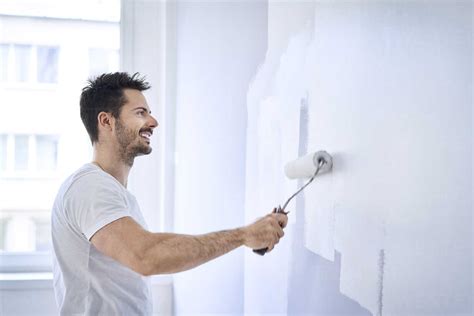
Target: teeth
{"points": [[146, 135]]}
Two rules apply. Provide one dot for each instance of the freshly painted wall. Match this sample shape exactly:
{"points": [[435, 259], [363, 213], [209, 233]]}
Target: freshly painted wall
{"points": [[386, 88]]}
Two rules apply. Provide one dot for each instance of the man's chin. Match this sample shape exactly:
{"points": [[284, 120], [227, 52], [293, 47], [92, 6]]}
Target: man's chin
{"points": [[145, 151], [140, 150]]}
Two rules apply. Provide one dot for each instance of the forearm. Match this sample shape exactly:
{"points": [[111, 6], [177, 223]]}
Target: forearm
{"points": [[170, 253]]}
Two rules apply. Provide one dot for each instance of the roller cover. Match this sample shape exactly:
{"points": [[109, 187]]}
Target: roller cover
{"points": [[305, 167]]}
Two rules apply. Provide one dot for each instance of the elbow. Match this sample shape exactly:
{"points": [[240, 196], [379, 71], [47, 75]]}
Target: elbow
{"points": [[143, 270], [147, 265], [138, 261], [143, 266], [145, 273], [148, 270]]}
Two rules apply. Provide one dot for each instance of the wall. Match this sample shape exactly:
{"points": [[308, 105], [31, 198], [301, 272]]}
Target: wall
{"points": [[219, 46], [147, 36], [386, 88]]}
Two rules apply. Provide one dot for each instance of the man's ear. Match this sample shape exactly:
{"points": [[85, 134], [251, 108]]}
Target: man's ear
{"points": [[105, 120]]}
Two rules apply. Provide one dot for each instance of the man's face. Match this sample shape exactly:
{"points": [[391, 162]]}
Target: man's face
{"points": [[134, 126]]}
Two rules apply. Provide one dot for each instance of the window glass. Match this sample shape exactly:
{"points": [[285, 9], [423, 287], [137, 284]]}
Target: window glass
{"points": [[21, 152], [47, 64], [42, 233], [42, 137], [46, 152], [3, 152], [22, 62], [4, 62]]}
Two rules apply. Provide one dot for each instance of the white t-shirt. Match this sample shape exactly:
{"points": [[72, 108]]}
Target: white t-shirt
{"points": [[87, 282]]}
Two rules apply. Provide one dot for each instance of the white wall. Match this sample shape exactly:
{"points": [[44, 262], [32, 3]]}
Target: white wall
{"points": [[219, 46], [389, 90], [147, 32]]}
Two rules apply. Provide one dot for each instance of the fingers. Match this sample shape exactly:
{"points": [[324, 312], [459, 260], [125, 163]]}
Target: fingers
{"points": [[267, 231], [280, 233], [278, 222], [281, 218], [278, 229]]}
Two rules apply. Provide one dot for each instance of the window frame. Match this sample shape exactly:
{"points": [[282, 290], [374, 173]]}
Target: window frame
{"points": [[35, 261], [32, 81], [32, 171], [163, 94]]}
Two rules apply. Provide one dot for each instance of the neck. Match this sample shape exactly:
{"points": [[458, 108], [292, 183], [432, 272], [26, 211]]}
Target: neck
{"points": [[113, 163]]}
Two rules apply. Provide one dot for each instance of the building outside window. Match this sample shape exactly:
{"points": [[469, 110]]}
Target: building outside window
{"points": [[47, 64], [45, 60], [29, 63]]}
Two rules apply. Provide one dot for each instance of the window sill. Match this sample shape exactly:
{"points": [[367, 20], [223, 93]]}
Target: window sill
{"points": [[26, 281], [44, 280]]}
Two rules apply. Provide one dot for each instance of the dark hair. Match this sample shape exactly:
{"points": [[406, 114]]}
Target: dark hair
{"points": [[105, 94]]}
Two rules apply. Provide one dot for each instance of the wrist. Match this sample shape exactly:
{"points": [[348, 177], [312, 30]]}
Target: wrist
{"points": [[242, 235]]}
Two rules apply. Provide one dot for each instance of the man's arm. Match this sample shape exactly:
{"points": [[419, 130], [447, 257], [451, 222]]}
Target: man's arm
{"points": [[161, 253]]}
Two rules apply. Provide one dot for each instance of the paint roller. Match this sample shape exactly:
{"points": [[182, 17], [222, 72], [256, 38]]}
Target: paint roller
{"points": [[308, 166]]}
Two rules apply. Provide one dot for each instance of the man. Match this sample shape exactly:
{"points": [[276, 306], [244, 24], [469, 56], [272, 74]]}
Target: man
{"points": [[103, 251]]}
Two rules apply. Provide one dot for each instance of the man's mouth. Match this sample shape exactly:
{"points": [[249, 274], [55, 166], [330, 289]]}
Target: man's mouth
{"points": [[146, 135]]}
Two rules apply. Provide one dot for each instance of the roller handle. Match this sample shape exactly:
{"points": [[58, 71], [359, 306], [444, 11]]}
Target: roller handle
{"points": [[261, 251], [264, 250]]}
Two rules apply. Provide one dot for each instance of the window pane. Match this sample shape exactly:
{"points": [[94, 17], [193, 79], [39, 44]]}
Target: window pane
{"points": [[53, 69], [47, 61], [3, 152], [3, 227], [46, 152], [21, 152], [20, 233], [43, 233], [4, 62], [22, 62]]}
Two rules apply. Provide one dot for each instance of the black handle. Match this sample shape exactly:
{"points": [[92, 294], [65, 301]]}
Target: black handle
{"points": [[261, 251]]}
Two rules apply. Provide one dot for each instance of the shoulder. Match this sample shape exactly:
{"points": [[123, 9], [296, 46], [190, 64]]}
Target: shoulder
{"points": [[90, 180]]}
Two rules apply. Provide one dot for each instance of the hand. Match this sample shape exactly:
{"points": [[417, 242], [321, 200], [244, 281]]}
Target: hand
{"points": [[266, 231]]}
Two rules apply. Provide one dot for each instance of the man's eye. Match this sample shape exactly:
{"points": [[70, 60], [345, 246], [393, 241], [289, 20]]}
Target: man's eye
{"points": [[141, 112]]}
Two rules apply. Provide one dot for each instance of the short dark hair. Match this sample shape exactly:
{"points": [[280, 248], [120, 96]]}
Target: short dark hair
{"points": [[105, 94]]}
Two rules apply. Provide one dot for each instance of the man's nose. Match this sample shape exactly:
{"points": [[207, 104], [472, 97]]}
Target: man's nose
{"points": [[153, 122]]}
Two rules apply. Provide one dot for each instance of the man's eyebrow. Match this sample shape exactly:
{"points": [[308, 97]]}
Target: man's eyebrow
{"points": [[142, 108]]}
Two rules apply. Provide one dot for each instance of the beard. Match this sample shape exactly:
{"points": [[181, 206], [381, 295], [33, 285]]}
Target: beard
{"points": [[130, 143]]}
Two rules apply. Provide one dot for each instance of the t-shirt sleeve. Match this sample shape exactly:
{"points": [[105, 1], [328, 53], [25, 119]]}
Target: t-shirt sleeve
{"points": [[95, 201]]}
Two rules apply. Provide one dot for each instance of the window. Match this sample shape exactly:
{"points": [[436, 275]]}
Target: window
{"points": [[32, 155], [21, 152], [22, 56], [30, 63], [4, 49], [42, 138], [46, 152], [47, 64], [3, 153]]}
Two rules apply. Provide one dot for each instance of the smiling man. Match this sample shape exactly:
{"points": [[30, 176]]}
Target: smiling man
{"points": [[103, 252]]}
